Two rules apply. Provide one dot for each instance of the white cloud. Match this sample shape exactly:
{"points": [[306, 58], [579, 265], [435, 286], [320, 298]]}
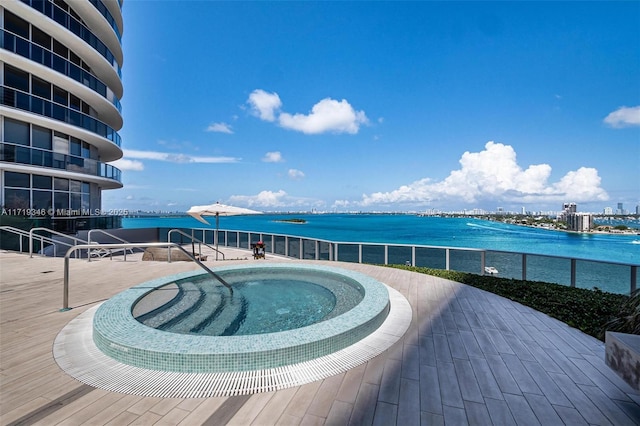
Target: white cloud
{"points": [[131, 165], [220, 128], [273, 200], [494, 174], [176, 158], [328, 115], [264, 104], [624, 117], [295, 174], [273, 157]]}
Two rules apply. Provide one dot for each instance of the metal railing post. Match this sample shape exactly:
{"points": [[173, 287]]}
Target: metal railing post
{"points": [[65, 291], [301, 249], [524, 267], [634, 278], [446, 262], [483, 262]]}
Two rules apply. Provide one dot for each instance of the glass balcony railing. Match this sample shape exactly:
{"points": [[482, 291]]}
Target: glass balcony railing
{"points": [[52, 11], [612, 277], [26, 102], [20, 46], [11, 153]]}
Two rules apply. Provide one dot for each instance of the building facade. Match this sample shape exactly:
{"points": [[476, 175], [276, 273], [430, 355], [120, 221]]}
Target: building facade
{"points": [[579, 222], [60, 111]]}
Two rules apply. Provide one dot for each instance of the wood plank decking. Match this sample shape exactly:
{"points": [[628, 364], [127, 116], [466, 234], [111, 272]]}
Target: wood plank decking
{"points": [[469, 357]]}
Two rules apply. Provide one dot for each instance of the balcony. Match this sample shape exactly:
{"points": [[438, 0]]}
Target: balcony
{"points": [[17, 154]]}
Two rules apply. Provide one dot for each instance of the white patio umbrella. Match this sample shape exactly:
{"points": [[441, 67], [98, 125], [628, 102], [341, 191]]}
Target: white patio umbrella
{"points": [[217, 210]]}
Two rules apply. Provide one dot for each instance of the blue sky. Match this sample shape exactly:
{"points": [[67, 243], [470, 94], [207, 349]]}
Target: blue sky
{"points": [[380, 106]]}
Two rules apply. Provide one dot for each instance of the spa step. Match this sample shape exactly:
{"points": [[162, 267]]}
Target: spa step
{"points": [[188, 296], [227, 319], [209, 306]]}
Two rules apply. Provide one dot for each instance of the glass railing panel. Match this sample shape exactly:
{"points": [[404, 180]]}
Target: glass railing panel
{"points": [[221, 237], [427, 257], [604, 276], [548, 269], [373, 254], [266, 239], [509, 265], [231, 239], [279, 245], [243, 240], [399, 255], [348, 253], [325, 251], [308, 249], [293, 247], [465, 261]]}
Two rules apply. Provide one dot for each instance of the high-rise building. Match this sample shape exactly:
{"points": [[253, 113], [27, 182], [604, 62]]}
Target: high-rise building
{"points": [[60, 110], [581, 222], [569, 208], [620, 209]]}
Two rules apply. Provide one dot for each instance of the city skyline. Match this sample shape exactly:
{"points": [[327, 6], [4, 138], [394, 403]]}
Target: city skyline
{"points": [[380, 106]]}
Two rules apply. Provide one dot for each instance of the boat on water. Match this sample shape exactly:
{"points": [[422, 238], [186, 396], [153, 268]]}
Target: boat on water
{"points": [[490, 270]]}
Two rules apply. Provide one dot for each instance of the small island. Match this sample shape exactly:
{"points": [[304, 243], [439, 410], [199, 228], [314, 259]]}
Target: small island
{"points": [[293, 220]]}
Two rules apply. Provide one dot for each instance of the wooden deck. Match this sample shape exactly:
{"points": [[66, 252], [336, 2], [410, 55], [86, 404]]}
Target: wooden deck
{"points": [[469, 357]]}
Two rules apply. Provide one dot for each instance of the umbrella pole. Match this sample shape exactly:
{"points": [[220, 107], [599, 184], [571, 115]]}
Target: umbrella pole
{"points": [[217, 226]]}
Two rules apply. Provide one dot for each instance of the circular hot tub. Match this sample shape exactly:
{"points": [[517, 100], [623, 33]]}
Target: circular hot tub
{"points": [[277, 315]]}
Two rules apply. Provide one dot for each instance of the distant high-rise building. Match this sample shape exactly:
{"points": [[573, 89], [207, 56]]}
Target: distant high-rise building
{"points": [[570, 208], [60, 109], [608, 211], [580, 222], [620, 209]]}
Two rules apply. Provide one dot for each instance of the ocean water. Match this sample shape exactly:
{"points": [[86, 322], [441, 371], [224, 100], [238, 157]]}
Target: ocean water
{"points": [[452, 233], [412, 229]]}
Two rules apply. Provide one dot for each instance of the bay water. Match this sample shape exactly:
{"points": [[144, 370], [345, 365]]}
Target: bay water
{"points": [[445, 232]]}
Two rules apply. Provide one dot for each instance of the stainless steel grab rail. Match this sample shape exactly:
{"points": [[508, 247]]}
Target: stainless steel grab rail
{"points": [[193, 239], [65, 291]]}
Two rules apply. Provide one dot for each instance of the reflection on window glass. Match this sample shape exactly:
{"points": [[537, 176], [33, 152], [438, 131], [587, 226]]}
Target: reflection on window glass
{"points": [[42, 199], [75, 146], [41, 137], [42, 182], [61, 184], [18, 79], [76, 201], [16, 131], [86, 201], [20, 180], [40, 88], [60, 96], [61, 200], [16, 25], [75, 186], [16, 198]]}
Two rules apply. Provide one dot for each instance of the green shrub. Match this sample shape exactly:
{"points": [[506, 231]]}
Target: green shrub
{"points": [[591, 311]]}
